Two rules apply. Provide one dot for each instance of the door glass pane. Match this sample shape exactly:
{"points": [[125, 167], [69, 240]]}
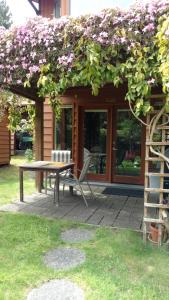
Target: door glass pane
{"points": [[57, 8], [128, 144], [95, 134], [63, 136]]}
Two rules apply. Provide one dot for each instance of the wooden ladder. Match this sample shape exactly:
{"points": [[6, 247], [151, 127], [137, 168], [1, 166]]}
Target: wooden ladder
{"points": [[150, 207]]}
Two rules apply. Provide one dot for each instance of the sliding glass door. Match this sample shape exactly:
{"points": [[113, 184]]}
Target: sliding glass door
{"points": [[127, 154]]}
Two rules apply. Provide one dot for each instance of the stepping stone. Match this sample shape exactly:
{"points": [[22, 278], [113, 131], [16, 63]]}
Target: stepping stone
{"points": [[57, 290], [64, 258], [77, 235]]}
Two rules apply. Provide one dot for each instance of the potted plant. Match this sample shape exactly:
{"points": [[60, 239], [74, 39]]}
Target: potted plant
{"points": [[154, 229]]}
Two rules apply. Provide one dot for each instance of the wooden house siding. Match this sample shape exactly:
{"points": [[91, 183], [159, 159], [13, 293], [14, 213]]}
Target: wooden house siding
{"points": [[65, 9], [48, 131], [47, 8], [4, 142], [12, 143]]}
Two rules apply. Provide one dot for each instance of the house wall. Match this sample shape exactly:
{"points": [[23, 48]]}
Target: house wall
{"points": [[4, 142], [48, 130]]}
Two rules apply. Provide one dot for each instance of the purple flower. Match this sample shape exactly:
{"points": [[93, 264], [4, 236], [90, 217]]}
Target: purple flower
{"points": [[103, 34], [150, 27]]}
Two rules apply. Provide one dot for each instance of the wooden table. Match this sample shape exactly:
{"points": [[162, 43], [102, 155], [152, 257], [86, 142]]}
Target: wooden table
{"points": [[44, 166]]}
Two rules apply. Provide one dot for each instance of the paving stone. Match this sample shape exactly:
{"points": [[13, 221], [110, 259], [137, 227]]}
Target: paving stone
{"points": [[103, 217], [61, 289], [131, 201], [62, 211], [76, 235], [64, 258], [31, 209], [12, 207], [80, 213], [107, 220]]}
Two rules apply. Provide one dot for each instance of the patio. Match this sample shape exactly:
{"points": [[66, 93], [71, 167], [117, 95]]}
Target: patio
{"points": [[106, 210]]}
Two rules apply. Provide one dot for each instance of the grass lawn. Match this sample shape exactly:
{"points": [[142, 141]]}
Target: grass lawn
{"points": [[118, 265], [9, 181]]}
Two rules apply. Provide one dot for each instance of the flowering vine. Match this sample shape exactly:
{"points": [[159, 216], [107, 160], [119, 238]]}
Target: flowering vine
{"points": [[113, 46], [163, 56]]}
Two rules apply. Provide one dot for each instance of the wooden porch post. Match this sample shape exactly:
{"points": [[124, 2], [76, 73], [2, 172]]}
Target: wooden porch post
{"points": [[39, 139]]}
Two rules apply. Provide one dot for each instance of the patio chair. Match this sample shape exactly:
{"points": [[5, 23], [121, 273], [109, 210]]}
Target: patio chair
{"points": [[77, 183], [58, 156]]}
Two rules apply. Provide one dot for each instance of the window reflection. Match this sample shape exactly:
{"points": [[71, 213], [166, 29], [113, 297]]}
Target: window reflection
{"points": [[63, 135], [128, 144], [57, 8], [95, 134]]}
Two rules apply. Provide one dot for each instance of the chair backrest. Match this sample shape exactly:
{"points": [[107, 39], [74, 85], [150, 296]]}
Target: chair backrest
{"points": [[86, 153], [61, 155], [85, 168]]}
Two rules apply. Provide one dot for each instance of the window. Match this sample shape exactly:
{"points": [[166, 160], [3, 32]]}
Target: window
{"points": [[63, 133], [57, 8]]}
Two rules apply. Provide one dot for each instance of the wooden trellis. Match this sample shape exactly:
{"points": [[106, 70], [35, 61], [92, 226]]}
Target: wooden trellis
{"points": [[153, 212]]}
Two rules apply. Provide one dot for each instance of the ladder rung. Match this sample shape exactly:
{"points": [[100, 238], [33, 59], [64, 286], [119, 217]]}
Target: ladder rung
{"points": [[151, 220], [162, 127], [157, 174], [154, 159], [157, 143], [156, 190], [155, 205]]}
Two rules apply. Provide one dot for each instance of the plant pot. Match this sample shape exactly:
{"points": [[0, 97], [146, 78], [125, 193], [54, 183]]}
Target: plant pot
{"points": [[154, 232]]}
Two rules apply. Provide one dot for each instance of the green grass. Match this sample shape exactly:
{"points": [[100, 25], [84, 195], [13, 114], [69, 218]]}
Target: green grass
{"points": [[118, 265], [9, 181]]}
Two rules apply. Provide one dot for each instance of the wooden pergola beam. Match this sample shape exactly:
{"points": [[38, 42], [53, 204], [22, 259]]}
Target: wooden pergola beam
{"points": [[30, 93]]}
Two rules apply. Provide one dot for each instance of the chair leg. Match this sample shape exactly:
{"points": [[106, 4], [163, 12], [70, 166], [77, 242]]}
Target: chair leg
{"points": [[83, 195], [93, 196]]}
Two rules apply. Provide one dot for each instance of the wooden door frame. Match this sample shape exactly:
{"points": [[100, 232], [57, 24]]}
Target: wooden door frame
{"points": [[82, 108]]}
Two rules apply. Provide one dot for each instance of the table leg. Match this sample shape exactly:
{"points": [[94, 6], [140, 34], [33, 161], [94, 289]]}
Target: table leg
{"points": [[21, 184], [56, 190]]}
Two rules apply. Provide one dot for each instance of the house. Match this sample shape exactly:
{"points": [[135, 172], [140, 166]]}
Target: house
{"points": [[103, 125]]}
